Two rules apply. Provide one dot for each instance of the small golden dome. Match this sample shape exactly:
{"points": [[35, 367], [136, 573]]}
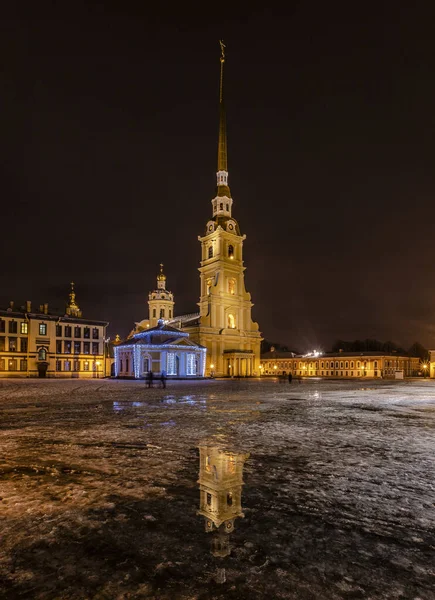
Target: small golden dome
{"points": [[161, 276]]}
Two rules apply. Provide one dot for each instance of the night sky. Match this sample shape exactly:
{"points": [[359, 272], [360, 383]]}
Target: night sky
{"points": [[109, 121]]}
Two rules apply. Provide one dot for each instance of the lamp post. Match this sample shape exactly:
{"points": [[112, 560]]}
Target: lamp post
{"points": [[211, 370], [424, 367]]}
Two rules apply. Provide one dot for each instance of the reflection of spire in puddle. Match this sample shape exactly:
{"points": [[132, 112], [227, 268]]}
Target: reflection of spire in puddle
{"points": [[220, 483]]}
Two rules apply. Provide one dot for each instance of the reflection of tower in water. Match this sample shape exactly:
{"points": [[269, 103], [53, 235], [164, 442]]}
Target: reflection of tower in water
{"points": [[220, 483]]}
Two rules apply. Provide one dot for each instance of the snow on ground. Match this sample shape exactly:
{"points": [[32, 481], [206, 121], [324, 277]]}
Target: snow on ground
{"points": [[99, 492]]}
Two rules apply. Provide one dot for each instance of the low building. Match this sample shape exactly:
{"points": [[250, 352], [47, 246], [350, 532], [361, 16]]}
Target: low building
{"points": [[40, 343], [340, 365], [159, 349]]}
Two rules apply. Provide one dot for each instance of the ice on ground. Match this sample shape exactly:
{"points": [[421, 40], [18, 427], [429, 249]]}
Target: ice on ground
{"points": [[99, 490]]}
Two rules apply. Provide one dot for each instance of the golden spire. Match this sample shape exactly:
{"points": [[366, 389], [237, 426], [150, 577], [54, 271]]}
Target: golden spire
{"points": [[222, 166], [72, 309]]}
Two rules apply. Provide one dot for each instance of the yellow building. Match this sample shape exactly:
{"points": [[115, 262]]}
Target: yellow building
{"points": [[224, 323], [220, 484], [37, 343], [340, 364]]}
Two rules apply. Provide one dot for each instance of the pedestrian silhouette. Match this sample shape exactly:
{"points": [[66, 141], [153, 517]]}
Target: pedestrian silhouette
{"points": [[150, 379], [163, 379]]}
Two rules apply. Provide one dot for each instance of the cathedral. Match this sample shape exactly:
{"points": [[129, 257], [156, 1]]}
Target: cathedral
{"points": [[223, 324]]}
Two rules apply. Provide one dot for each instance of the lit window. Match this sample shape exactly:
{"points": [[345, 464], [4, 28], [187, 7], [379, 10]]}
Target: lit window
{"points": [[23, 327], [231, 322], [171, 367], [191, 364], [231, 286], [230, 250], [67, 365], [86, 365], [42, 354], [207, 464]]}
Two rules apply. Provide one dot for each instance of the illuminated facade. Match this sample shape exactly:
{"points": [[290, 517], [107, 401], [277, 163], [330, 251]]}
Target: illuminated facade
{"points": [[37, 343], [340, 365], [224, 323], [220, 484], [159, 349]]}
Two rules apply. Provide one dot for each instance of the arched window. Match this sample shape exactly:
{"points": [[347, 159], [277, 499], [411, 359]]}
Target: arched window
{"points": [[230, 250], [162, 313], [210, 251], [154, 313], [42, 354], [231, 322], [231, 286], [170, 313], [221, 206]]}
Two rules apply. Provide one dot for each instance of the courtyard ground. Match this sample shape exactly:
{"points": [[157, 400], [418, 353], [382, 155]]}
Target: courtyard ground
{"points": [[99, 490]]}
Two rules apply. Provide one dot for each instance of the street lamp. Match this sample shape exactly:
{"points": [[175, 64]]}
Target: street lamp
{"points": [[211, 370], [424, 367]]}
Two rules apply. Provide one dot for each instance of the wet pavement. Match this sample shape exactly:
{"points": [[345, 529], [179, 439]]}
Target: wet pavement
{"points": [[217, 489]]}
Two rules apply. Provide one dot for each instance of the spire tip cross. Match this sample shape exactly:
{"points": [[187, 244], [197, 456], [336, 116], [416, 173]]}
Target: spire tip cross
{"points": [[222, 45]]}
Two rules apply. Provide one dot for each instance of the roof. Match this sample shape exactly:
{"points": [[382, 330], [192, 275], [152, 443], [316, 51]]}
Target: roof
{"points": [[274, 355], [51, 316], [186, 320], [162, 334]]}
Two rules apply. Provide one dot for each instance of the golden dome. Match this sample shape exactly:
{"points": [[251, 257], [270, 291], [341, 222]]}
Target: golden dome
{"points": [[161, 276]]}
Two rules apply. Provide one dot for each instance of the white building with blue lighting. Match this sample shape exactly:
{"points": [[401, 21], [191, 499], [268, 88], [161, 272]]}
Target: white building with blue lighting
{"points": [[159, 349]]}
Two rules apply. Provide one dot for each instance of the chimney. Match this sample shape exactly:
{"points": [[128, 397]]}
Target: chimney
{"points": [[45, 309], [28, 306], [41, 308], [11, 305]]}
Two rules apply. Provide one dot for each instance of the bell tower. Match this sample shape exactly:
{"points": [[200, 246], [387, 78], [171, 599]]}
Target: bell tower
{"points": [[160, 301], [226, 327]]}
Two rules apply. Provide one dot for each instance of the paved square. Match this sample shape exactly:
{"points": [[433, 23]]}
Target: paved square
{"points": [[100, 495]]}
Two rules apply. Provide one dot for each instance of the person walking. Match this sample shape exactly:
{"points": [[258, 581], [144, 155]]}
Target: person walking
{"points": [[150, 379], [163, 379], [290, 377]]}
